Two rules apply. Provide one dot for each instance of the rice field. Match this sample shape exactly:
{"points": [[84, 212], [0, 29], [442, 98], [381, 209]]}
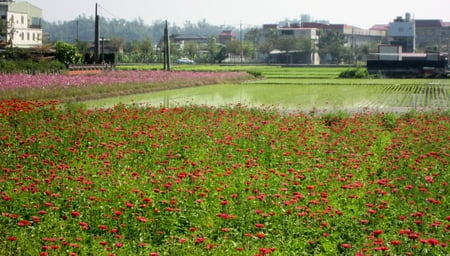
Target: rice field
{"points": [[303, 88]]}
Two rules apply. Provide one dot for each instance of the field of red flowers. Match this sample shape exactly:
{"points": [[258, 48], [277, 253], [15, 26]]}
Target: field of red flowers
{"points": [[221, 181]]}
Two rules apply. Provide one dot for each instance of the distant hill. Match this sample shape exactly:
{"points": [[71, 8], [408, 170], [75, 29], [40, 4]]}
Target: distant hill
{"points": [[136, 30]]}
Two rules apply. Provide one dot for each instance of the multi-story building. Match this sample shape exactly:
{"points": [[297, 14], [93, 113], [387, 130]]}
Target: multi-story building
{"points": [[402, 31], [432, 35], [20, 24], [354, 36]]}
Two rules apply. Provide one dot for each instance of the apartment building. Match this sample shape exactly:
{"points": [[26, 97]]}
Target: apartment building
{"points": [[432, 35], [20, 24]]}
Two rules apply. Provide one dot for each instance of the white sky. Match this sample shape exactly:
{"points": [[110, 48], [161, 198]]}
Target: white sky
{"points": [[360, 13]]}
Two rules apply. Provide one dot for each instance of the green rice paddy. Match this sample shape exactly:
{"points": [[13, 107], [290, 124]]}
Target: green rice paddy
{"points": [[299, 88]]}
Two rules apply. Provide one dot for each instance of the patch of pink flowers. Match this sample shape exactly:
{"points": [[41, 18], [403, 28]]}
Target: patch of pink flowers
{"points": [[15, 81]]}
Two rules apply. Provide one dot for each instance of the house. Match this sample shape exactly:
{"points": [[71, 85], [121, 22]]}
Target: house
{"points": [[296, 56], [20, 25], [226, 36]]}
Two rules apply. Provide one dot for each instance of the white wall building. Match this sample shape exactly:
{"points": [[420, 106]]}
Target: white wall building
{"points": [[21, 24]]}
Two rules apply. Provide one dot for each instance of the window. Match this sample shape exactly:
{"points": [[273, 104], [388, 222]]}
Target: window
{"points": [[34, 36], [28, 36], [22, 19]]}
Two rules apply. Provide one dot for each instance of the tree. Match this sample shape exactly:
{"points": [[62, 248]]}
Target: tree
{"points": [[67, 53], [190, 49], [269, 43], [212, 50], [234, 49], [332, 48], [222, 54]]}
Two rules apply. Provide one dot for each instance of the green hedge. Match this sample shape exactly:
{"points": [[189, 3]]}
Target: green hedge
{"points": [[354, 73], [31, 67]]}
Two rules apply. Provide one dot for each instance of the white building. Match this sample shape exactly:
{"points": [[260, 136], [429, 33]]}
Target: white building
{"points": [[21, 24]]}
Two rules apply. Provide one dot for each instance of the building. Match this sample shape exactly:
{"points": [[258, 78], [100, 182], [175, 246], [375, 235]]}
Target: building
{"points": [[21, 25], [354, 36], [226, 36], [402, 31], [432, 35], [294, 56]]}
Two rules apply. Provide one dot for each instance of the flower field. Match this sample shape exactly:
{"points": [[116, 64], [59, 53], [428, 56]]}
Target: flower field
{"points": [[106, 84], [195, 180]]}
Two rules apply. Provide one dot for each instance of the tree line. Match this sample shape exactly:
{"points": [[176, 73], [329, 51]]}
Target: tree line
{"points": [[141, 43]]}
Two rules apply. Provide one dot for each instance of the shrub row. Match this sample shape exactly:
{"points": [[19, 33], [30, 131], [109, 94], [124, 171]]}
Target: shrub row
{"points": [[354, 73], [31, 67]]}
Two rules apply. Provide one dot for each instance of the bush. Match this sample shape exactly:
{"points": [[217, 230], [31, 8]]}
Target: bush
{"points": [[354, 73], [256, 74], [31, 67]]}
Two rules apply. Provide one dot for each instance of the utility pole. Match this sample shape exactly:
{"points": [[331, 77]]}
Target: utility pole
{"points": [[240, 38], [167, 65], [97, 34]]}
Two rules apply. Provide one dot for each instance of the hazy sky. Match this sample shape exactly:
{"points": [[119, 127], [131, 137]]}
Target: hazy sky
{"points": [[360, 13]]}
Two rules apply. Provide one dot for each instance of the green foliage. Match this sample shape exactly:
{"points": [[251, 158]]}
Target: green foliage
{"points": [[255, 73], [68, 53], [332, 48], [389, 120], [31, 67], [334, 118], [354, 73], [221, 54]]}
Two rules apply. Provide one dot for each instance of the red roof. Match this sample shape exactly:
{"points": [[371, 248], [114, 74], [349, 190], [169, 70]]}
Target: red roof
{"points": [[380, 27]]}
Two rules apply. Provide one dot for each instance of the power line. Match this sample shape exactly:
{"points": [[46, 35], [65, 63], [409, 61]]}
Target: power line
{"points": [[108, 12]]}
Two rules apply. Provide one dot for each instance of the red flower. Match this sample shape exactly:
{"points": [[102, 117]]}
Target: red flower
{"points": [[261, 235], [377, 232], [76, 214], [433, 241], [199, 240], [259, 225], [84, 225], [346, 246], [23, 223]]}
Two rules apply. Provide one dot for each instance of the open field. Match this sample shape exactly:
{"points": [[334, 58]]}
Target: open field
{"points": [[221, 181]]}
